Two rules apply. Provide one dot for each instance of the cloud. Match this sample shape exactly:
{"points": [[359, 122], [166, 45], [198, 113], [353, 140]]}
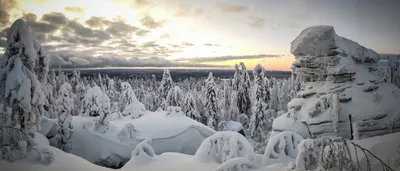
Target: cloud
{"points": [[256, 22], [120, 29], [165, 36], [5, 7], [231, 8], [75, 9], [97, 22], [55, 18], [141, 3], [187, 44], [210, 44], [225, 58], [150, 23], [38, 27]]}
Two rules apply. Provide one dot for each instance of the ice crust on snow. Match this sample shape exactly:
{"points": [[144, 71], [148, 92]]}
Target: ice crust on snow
{"points": [[332, 69]]}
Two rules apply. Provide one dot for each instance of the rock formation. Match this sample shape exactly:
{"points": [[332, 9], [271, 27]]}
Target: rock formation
{"points": [[342, 91]]}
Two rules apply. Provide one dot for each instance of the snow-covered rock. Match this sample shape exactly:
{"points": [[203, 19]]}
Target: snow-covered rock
{"points": [[341, 87]]}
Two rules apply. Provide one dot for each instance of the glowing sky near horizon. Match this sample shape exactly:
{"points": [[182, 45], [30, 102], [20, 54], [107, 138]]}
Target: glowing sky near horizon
{"points": [[161, 32]]}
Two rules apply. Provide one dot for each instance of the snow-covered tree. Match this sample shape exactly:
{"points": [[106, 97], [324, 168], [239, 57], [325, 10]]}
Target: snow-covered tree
{"points": [[102, 122], [243, 93], [23, 74], [259, 120], [175, 97], [64, 132], [64, 101], [189, 108], [233, 112], [211, 103], [130, 103], [95, 102], [166, 84], [236, 78]]}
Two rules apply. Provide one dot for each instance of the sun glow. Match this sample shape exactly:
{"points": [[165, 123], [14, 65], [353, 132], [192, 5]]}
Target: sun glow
{"points": [[183, 32]]}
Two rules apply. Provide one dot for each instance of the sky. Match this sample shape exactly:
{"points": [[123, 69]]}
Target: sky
{"points": [[194, 33]]}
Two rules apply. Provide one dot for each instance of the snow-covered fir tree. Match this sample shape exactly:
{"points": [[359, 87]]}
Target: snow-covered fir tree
{"points": [[211, 103], [189, 108], [64, 108], [102, 122], [243, 93], [95, 102], [236, 78], [23, 74], [259, 119], [175, 97], [166, 84]]}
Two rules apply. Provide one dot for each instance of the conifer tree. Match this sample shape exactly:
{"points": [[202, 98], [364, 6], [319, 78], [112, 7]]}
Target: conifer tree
{"points": [[211, 103]]}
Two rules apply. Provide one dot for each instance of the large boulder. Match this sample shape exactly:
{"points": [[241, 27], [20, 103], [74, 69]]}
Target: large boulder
{"points": [[343, 93]]}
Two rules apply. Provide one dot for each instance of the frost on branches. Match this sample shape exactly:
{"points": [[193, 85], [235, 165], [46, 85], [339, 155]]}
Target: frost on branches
{"points": [[64, 132], [23, 69], [211, 103], [95, 102], [133, 107], [174, 97], [325, 153], [243, 92], [261, 120], [64, 109], [189, 108], [166, 84]]}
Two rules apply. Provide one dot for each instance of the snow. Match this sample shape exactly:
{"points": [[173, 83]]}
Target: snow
{"points": [[282, 148], [233, 126], [173, 133], [223, 146], [340, 82]]}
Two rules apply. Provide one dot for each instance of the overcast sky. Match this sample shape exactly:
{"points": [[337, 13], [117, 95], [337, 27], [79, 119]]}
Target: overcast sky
{"points": [[195, 33]]}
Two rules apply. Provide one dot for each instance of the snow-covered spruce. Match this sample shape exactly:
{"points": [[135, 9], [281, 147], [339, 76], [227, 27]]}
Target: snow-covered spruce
{"points": [[64, 108], [175, 97], [23, 69], [95, 102], [23, 76], [133, 107], [166, 84], [211, 103], [189, 108], [243, 91], [261, 119]]}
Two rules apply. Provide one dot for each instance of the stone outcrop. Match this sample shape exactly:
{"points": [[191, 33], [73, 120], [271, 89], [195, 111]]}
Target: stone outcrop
{"points": [[342, 90]]}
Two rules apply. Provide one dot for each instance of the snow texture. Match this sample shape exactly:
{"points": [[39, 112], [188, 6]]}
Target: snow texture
{"points": [[341, 86]]}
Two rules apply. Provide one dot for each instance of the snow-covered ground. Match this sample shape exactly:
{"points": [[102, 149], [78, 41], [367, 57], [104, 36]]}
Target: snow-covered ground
{"points": [[171, 132]]}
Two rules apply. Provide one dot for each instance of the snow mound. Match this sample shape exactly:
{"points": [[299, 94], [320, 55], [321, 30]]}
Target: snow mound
{"points": [[143, 153], [223, 146], [282, 148], [135, 110], [342, 90], [113, 148]]}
